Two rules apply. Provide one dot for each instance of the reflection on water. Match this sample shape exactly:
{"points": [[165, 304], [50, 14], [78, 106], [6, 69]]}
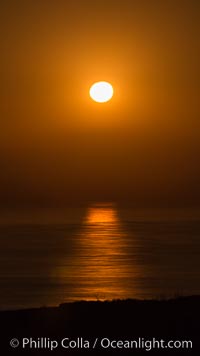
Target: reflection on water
{"points": [[102, 214], [102, 267], [101, 252], [105, 265]]}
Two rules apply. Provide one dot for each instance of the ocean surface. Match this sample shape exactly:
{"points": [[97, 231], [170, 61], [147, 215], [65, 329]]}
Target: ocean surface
{"points": [[101, 252]]}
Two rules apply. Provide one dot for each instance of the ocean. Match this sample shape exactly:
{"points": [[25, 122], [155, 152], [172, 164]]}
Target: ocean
{"points": [[102, 252]]}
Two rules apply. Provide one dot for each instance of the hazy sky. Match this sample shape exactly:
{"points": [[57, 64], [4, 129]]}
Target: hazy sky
{"points": [[56, 145]]}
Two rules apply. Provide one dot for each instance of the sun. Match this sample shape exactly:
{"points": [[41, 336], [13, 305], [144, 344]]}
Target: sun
{"points": [[101, 92]]}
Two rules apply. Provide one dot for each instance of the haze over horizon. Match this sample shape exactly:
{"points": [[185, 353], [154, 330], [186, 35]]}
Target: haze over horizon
{"points": [[57, 146]]}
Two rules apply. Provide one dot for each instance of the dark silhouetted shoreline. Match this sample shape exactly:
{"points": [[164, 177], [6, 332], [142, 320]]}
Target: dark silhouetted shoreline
{"points": [[119, 320]]}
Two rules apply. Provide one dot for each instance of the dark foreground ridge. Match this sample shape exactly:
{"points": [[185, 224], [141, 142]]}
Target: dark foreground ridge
{"points": [[83, 325]]}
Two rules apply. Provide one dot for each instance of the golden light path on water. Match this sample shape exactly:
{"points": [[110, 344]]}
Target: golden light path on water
{"points": [[102, 265]]}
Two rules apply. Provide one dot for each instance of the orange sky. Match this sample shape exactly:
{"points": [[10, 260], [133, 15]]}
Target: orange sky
{"points": [[57, 145]]}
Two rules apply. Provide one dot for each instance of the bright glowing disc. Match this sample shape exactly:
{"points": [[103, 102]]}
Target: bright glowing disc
{"points": [[101, 92]]}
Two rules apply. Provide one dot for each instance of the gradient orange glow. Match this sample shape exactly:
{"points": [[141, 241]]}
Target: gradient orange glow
{"points": [[62, 145]]}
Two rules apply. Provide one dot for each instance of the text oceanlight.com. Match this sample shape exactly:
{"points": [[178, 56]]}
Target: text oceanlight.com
{"points": [[103, 343]]}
